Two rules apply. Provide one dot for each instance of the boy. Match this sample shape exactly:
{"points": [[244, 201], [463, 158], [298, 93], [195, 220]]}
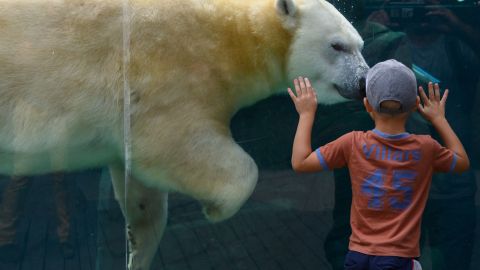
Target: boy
{"points": [[390, 169]]}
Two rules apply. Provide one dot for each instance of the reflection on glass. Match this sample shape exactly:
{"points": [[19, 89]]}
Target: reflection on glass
{"points": [[61, 219]]}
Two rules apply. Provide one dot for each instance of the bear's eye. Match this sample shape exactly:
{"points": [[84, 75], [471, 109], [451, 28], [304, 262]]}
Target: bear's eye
{"points": [[338, 47]]}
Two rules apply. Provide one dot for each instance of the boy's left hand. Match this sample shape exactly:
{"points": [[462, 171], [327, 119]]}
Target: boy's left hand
{"points": [[433, 107], [306, 99]]}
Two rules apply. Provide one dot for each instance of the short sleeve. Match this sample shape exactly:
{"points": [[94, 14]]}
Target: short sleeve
{"points": [[444, 159], [336, 153]]}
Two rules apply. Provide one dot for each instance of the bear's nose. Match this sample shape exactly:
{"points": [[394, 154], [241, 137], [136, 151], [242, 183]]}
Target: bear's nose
{"points": [[362, 87]]}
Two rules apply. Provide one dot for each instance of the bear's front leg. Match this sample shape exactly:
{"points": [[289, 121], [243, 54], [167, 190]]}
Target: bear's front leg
{"points": [[203, 163], [227, 178], [218, 173], [145, 211]]}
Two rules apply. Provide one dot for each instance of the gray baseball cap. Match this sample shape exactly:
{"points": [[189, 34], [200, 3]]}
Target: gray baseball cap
{"points": [[391, 80]]}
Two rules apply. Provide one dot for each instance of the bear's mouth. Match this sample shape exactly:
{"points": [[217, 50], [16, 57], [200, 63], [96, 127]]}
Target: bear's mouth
{"points": [[337, 87], [342, 91], [357, 93]]}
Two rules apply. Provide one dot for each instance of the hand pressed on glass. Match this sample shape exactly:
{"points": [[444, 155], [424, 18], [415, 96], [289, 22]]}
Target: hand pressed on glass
{"points": [[306, 99], [433, 107]]}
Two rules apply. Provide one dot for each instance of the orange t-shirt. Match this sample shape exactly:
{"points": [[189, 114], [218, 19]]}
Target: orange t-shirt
{"points": [[390, 176]]}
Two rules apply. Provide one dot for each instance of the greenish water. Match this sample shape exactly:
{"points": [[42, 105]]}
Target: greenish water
{"points": [[291, 221]]}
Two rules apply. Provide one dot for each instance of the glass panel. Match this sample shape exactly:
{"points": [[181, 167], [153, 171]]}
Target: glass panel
{"points": [[61, 124], [92, 118]]}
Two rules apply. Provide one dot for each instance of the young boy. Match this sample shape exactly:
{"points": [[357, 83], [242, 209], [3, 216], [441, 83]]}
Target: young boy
{"points": [[390, 169]]}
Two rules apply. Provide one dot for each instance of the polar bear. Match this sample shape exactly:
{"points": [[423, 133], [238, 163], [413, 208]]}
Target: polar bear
{"points": [[191, 65]]}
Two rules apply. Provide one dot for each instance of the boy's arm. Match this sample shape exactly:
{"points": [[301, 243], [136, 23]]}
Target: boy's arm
{"points": [[303, 159], [433, 110]]}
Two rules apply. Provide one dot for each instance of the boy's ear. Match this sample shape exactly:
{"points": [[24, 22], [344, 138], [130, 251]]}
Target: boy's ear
{"points": [[367, 105], [417, 102]]}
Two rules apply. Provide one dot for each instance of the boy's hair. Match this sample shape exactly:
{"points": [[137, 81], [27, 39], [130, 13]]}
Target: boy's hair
{"points": [[391, 87]]}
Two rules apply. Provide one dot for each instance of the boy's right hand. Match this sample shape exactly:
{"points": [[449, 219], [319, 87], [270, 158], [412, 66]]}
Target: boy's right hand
{"points": [[306, 99], [433, 107]]}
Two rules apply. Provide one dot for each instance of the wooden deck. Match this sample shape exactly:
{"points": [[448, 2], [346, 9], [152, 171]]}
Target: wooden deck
{"points": [[283, 226]]}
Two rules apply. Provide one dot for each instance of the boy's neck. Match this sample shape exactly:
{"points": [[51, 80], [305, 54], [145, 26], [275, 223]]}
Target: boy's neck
{"points": [[390, 125]]}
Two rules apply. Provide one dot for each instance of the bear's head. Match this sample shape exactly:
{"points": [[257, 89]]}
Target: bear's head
{"points": [[326, 48]]}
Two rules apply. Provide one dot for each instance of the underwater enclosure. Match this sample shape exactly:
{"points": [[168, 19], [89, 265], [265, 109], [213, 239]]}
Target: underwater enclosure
{"points": [[53, 218]]}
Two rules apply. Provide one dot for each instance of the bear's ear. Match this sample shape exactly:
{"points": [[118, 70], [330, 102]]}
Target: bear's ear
{"points": [[286, 7], [287, 10]]}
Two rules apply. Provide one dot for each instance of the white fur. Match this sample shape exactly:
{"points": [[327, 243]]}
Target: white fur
{"points": [[193, 65], [312, 55]]}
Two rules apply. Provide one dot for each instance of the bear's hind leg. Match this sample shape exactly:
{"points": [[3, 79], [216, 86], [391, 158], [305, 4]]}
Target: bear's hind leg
{"points": [[145, 210]]}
